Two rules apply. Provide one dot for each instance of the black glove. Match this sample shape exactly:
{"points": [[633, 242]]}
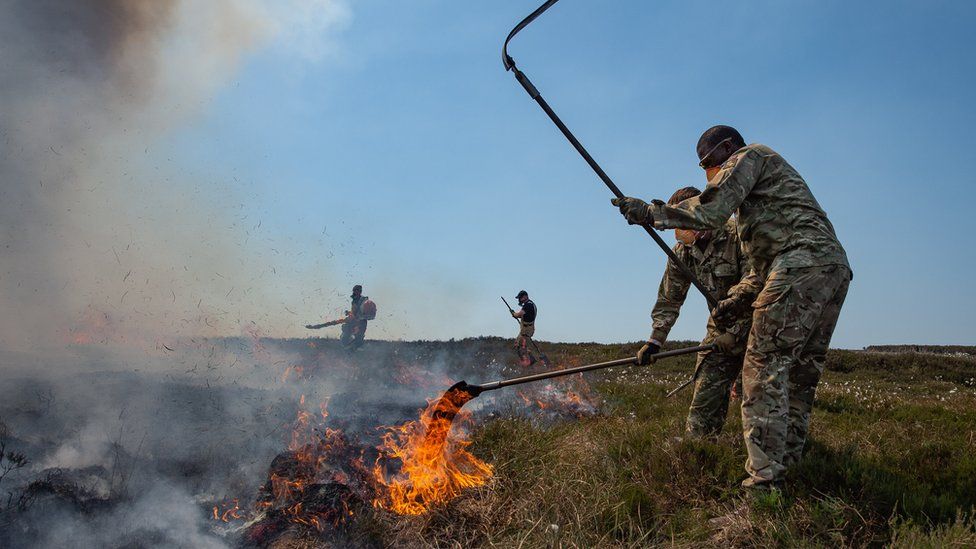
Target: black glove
{"points": [[728, 309], [645, 352], [636, 210]]}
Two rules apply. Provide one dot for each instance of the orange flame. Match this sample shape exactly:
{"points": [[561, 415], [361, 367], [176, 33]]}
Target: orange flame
{"points": [[312, 445], [432, 469], [293, 369], [232, 511]]}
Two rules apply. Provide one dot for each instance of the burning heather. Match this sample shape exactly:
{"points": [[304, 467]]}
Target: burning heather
{"points": [[247, 441], [318, 483], [321, 481], [432, 468], [350, 449]]}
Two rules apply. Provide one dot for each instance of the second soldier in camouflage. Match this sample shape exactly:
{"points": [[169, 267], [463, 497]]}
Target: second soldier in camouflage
{"points": [[716, 258]]}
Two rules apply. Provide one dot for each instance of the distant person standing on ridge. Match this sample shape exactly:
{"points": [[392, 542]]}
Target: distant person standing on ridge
{"points": [[354, 322], [360, 312], [526, 317]]}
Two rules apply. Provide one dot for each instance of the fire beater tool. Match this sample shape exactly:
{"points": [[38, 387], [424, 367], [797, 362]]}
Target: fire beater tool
{"points": [[335, 322], [459, 394], [534, 94], [545, 359]]}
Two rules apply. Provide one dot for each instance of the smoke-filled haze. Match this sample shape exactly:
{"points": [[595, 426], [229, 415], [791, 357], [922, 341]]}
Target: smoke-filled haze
{"points": [[101, 239]]}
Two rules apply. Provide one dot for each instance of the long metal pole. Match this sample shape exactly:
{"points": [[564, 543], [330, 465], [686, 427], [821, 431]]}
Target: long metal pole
{"points": [[598, 366], [533, 92]]}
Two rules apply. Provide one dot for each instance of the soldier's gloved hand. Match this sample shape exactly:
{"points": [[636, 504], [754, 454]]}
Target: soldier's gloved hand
{"points": [[729, 308], [644, 354], [724, 343], [635, 210]]}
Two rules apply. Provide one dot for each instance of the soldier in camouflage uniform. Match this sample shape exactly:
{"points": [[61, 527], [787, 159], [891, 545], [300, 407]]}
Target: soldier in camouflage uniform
{"points": [[716, 258], [804, 274]]}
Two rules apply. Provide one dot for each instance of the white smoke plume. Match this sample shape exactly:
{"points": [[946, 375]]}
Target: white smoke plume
{"points": [[100, 238]]}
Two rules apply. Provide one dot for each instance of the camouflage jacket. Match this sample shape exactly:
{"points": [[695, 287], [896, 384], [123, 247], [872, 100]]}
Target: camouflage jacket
{"points": [[780, 223], [721, 267]]}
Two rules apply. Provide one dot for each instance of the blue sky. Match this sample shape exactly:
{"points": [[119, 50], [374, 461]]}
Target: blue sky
{"points": [[409, 161]]}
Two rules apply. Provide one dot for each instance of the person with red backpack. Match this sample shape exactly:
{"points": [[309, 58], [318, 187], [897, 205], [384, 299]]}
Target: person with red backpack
{"points": [[360, 313], [354, 323]]}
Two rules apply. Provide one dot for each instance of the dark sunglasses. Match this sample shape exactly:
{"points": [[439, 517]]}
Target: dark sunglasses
{"points": [[705, 166]]}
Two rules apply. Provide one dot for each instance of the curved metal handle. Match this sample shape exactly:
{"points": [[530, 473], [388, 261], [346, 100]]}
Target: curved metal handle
{"points": [[537, 97], [507, 59]]}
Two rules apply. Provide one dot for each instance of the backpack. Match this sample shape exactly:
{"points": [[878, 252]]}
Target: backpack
{"points": [[368, 310]]}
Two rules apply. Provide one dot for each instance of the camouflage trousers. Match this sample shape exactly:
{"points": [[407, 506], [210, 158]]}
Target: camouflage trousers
{"points": [[793, 320], [717, 371]]}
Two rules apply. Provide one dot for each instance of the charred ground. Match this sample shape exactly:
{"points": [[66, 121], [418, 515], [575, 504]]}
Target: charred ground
{"points": [[135, 450]]}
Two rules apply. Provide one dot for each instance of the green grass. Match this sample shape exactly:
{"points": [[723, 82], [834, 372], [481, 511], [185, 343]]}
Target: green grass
{"points": [[891, 460]]}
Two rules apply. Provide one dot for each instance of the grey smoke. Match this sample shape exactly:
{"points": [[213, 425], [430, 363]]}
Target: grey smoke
{"points": [[103, 241], [85, 86], [91, 222]]}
